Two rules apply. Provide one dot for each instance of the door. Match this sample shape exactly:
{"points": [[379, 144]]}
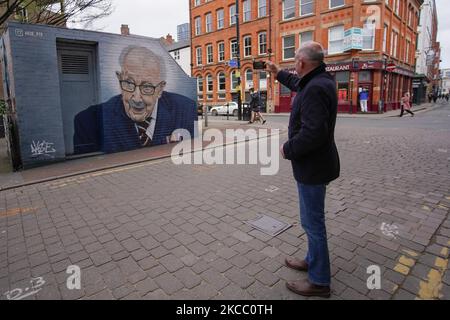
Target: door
{"points": [[368, 88], [78, 85]]}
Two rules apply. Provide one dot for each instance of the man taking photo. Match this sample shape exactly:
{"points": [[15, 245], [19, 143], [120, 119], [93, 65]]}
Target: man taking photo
{"points": [[313, 153]]}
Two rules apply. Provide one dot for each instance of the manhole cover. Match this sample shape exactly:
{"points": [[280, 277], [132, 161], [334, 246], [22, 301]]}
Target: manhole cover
{"points": [[269, 225]]}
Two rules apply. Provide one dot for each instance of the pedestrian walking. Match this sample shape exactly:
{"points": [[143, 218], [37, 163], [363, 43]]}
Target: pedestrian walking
{"points": [[255, 105], [314, 156], [406, 105]]}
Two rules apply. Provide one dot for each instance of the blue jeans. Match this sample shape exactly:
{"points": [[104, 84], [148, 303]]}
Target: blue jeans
{"points": [[312, 217]]}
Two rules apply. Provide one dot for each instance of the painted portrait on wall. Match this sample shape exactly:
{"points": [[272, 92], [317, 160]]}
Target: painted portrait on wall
{"points": [[144, 114]]}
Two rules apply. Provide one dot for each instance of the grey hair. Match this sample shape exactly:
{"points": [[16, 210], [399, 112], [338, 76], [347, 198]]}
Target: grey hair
{"points": [[159, 61], [312, 51]]}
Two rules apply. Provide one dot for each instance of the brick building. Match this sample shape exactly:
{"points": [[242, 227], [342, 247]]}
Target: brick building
{"points": [[370, 45]]}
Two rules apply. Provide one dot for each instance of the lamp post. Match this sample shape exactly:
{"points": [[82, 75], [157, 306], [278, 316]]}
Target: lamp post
{"points": [[238, 53]]}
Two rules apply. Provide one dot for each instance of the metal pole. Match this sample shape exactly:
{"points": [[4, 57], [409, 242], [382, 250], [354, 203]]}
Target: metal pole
{"points": [[238, 41], [228, 111]]}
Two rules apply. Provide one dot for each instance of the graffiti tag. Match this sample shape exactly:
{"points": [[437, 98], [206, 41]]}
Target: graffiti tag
{"points": [[43, 148], [389, 230], [19, 294]]}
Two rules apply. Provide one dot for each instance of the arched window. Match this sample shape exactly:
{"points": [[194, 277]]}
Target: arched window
{"points": [[209, 83], [249, 79], [234, 81], [221, 80], [221, 83]]}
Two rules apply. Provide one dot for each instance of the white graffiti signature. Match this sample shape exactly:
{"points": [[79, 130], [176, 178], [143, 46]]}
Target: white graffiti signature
{"points": [[42, 148], [389, 230], [19, 294]]}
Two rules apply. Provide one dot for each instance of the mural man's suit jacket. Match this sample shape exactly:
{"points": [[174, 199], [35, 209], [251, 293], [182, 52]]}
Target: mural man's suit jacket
{"points": [[106, 127]]}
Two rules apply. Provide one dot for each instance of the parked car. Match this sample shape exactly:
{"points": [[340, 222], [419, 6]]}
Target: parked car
{"points": [[230, 107]]}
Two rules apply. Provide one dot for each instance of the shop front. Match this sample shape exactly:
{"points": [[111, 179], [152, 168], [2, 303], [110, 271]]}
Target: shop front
{"points": [[360, 87]]}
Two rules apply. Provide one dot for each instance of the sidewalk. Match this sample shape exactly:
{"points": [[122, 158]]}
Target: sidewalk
{"points": [[74, 167], [371, 115]]}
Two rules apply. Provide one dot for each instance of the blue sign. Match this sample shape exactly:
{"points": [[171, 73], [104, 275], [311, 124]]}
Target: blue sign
{"points": [[233, 63]]}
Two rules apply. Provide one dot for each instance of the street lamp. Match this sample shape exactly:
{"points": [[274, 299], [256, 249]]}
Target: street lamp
{"points": [[238, 52]]}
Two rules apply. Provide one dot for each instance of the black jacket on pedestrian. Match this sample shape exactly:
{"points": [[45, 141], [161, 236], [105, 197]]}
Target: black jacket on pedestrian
{"points": [[311, 146]]}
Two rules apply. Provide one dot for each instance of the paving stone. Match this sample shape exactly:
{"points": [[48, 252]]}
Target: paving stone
{"points": [[168, 283]]}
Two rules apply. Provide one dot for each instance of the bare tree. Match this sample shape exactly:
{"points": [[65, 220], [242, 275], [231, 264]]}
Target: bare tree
{"points": [[57, 12]]}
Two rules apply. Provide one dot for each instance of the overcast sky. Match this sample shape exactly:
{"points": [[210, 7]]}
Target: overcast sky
{"points": [[156, 18]]}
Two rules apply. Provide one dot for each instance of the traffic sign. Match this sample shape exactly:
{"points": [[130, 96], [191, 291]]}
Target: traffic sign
{"points": [[391, 67]]}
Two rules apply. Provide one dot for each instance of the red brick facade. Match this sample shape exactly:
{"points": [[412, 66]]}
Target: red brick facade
{"points": [[286, 23]]}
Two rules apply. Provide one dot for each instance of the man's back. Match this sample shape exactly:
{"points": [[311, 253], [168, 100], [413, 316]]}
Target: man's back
{"points": [[311, 145]]}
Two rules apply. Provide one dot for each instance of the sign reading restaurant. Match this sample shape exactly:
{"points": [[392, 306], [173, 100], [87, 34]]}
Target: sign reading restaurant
{"points": [[360, 65]]}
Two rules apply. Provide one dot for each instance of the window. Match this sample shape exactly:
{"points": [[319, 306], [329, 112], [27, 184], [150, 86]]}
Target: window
{"points": [[336, 3], [221, 51], [209, 54], [199, 56], [394, 40], [262, 39], [247, 10], [385, 38], [365, 76], [208, 22], [198, 26], [176, 54], [220, 19], [336, 39], [233, 45], [234, 81], [262, 8], [409, 17], [199, 85], [209, 83], [306, 36], [247, 46], [262, 80], [408, 44], [288, 9], [369, 35], [196, 2], [343, 79], [232, 15], [221, 80], [288, 47], [306, 7], [397, 6], [248, 79]]}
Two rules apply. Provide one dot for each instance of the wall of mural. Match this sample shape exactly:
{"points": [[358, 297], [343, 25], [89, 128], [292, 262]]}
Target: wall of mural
{"points": [[81, 92]]}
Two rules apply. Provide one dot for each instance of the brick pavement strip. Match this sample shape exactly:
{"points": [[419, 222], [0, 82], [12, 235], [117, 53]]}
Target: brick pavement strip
{"points": [[167, 242]]}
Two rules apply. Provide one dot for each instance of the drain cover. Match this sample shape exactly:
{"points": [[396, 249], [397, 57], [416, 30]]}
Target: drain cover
{"points": [[269, 225]]}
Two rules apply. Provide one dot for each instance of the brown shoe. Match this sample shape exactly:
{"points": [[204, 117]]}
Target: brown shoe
{"points": [[307, 289], [296, 264]]}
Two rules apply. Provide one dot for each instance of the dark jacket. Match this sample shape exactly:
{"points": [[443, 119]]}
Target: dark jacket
{"points": [[311, 146], [107, 128], [255, 102]]}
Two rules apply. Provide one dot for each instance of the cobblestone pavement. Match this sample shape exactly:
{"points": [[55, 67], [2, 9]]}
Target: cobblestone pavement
{"points": [[160, 231]]}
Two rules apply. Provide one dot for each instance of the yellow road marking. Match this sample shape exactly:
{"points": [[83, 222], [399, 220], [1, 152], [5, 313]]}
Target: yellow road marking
{"points": [[431, 289], [16, 211], [406, 261], [444, 251], [400, 268], [411, 253]]}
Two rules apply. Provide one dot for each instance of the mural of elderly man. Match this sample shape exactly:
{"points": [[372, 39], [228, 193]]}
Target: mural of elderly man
{"points": [[142, 115]]}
